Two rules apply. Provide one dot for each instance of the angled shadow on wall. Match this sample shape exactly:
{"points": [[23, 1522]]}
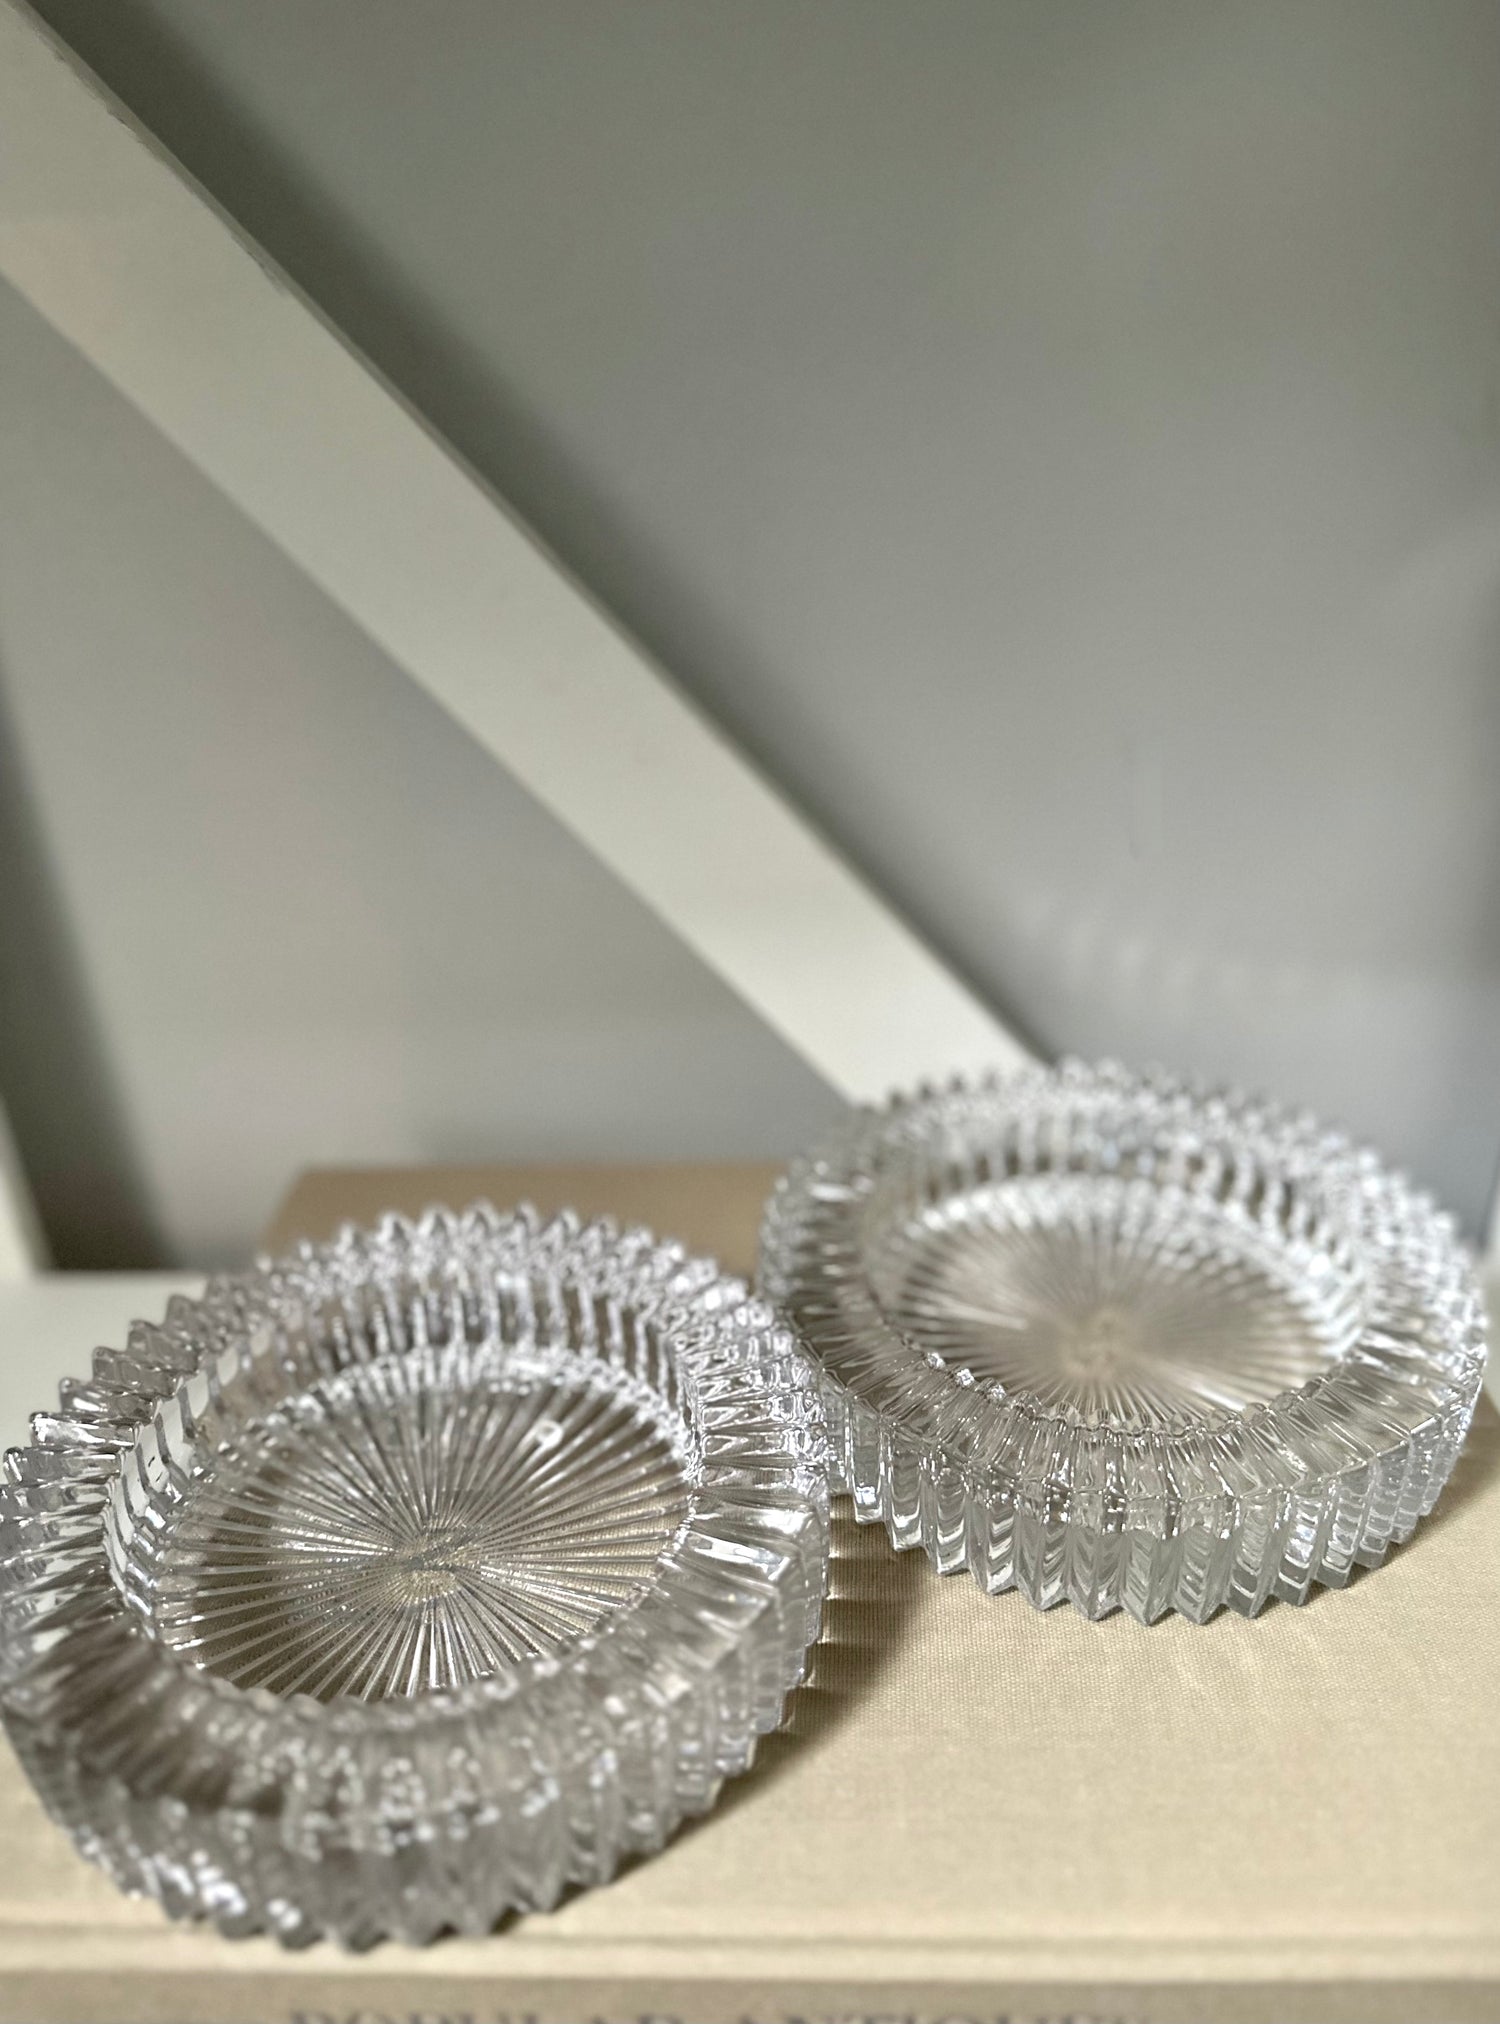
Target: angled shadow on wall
{"points": [[55, 1077], [469, 401]]}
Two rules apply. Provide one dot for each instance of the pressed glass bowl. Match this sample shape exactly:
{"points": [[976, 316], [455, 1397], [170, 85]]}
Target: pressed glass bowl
{"points": [[1122, 1343], [411, 1579]]}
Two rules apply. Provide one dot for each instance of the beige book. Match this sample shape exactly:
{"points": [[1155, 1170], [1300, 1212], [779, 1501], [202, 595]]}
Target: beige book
{"points": [[975, 1811]]}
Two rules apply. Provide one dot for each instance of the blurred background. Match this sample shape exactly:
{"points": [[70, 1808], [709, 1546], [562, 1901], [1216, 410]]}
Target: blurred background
{"points": [[1060, 444]]}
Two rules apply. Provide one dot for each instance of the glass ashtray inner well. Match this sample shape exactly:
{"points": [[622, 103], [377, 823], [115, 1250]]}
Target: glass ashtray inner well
{"points": [[414, 1522], [1114, 1302]]}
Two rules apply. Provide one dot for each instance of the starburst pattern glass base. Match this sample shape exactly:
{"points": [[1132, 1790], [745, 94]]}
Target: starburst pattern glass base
{"points": [[412, 1579], [414, 1524], [1118, 1343], [1106, 1301]]}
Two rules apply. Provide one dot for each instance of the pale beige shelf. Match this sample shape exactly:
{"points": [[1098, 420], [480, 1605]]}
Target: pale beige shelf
{"points": [[978, 1812]]}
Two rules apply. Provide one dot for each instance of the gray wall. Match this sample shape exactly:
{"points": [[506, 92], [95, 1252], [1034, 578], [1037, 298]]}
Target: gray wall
{"points": [[1061, 439]]}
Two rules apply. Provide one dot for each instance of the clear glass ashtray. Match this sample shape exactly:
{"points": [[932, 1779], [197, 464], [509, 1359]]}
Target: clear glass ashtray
{"points": [[412, 1579], [1117, 1342]]}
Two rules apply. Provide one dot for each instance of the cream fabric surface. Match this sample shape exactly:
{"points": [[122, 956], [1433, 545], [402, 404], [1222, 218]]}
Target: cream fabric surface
{"points": [[976, 1811]]}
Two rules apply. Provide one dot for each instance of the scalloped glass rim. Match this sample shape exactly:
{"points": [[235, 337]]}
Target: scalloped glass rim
{"points": [[444, 1807], [1150, 1513]]}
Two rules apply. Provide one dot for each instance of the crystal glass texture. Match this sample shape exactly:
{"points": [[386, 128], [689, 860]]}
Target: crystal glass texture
{"points": [[1122, 1343], [412, 1579]]}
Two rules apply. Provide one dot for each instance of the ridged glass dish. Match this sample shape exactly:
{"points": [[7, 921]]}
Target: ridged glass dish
{"points": [[1117, 1342], [409, 1580]]}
